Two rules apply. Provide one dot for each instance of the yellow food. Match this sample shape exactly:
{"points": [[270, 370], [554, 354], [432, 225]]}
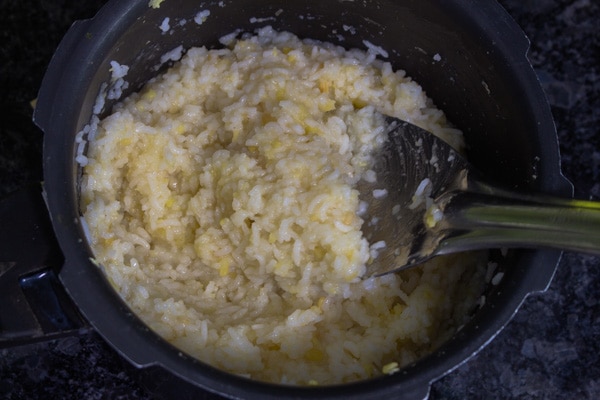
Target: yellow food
{"points": [[221, 203]]}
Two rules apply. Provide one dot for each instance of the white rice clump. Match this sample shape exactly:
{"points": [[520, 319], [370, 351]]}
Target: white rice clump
{"points": [[221, 202]]}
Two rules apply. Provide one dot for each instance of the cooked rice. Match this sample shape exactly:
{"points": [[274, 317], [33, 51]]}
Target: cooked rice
{"points": [[220, 201]]}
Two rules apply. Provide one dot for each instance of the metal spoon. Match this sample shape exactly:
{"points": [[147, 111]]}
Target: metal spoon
{"points": [[428, 200]]}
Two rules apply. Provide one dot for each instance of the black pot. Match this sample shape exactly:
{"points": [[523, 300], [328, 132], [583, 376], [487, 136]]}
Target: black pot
{"points": [[470, 57]]}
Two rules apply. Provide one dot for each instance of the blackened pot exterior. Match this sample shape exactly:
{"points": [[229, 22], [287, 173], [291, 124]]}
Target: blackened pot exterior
{"points": [[470, 57]]}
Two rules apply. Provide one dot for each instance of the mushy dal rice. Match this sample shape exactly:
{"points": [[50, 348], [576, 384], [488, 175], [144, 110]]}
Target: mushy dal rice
{"points": [[221, 203]]}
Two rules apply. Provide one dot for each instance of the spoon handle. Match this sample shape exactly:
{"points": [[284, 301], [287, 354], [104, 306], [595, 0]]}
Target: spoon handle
{"points": [[475, 220]]}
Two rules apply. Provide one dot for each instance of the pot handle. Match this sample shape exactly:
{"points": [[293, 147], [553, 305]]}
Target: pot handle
{"points": [[33, 304]]}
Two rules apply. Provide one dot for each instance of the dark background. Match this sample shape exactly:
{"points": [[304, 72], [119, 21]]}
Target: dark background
{"points": [[551, 348]]}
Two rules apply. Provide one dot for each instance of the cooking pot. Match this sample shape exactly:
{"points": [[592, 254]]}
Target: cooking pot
{"points": [[469, 56]]}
